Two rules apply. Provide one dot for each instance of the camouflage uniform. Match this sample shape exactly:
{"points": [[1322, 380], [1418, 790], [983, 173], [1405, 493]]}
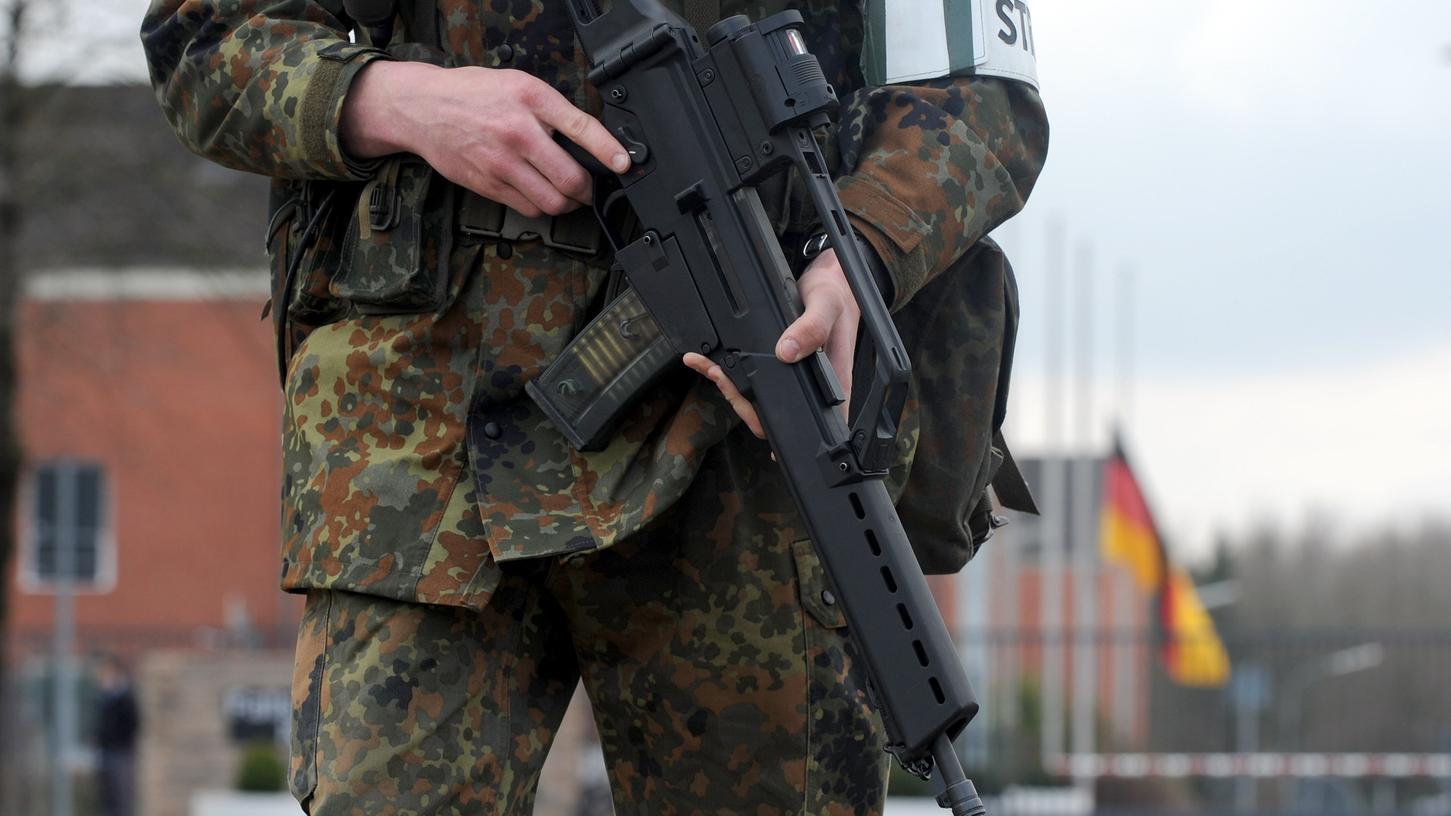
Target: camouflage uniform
{"points": [[439, 644]]}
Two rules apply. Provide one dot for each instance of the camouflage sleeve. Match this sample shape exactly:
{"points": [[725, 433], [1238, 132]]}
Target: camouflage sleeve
{"points": [[256, 85], [928, 169]]}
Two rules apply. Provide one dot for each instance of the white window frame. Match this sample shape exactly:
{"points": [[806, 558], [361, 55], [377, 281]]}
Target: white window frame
{"points": [[28, 575]]}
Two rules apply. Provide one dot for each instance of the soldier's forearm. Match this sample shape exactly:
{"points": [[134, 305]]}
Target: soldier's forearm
{"points": [[981, 141], [255, 86]]}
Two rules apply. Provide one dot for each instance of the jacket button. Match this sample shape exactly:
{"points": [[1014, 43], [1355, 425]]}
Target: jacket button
{"points": [[491, 430], [828, 598], [505, 52], [504, 250]]}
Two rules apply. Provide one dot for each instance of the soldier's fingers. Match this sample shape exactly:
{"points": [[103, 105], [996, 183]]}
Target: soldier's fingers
{"points": [[508, 196], [529, 181], [811, 330], [560, 169], [698, 363], [742, 406], [581, 128]]}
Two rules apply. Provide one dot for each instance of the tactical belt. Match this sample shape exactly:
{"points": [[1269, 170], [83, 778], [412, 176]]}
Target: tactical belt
{"points": [[577, 232]]}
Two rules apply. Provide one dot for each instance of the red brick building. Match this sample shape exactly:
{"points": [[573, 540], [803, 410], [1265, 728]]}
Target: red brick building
{"points": [[150, 396]]}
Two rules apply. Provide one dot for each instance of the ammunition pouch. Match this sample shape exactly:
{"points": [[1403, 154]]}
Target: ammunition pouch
{"points": [[348, 249], [396, 251]]}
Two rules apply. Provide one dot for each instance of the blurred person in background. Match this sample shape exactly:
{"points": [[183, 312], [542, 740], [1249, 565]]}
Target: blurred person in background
{"points": [[118, 723]]}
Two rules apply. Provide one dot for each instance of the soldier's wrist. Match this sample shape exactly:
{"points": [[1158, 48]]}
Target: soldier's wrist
{"points": [[880, 275], [376, 118]]}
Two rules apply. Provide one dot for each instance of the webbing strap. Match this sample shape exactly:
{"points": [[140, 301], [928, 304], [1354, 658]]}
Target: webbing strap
{"points": [[423, 28], [702, 14], [1008, 483]]}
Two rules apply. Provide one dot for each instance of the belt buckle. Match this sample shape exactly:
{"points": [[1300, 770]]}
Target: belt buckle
{"points": [[520, 227], [560, 225]]}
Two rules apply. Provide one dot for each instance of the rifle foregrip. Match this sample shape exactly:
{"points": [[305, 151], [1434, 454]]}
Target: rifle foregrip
{"points": [[917, 677]]}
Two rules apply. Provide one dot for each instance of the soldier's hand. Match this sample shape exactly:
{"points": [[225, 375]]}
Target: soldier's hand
{"points": [[486, 129], [829, 321]]}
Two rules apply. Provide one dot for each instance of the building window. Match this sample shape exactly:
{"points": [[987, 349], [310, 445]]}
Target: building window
{"points": [[67, 510]]}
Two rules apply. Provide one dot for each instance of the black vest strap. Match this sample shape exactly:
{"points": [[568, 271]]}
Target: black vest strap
{"points": [[702, 14], [423, 23]]}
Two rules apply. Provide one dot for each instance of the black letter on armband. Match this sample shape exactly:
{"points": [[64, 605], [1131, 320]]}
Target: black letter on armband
{"points": [[1027, 18], [1005, 13]]}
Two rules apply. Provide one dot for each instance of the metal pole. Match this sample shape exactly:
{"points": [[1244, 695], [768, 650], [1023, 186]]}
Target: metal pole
{"points": [[1005, 646], [1006, 650], [1084, 538], [972, 634], [1125, 681], [1126, 318], [1053, 521], [1126, 598], [1246, 741], [64, 702]]}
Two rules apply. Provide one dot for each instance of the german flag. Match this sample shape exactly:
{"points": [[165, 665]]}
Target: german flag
{"points": [[1192, 653]]}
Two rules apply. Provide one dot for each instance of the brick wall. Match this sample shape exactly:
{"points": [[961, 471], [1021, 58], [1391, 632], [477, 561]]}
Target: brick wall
{"points": [[185, 745]]}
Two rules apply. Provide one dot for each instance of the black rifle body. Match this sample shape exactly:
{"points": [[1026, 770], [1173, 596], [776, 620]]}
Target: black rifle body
{"points": [[705, 124]]}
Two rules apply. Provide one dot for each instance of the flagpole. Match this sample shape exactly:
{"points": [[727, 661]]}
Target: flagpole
{"points": [[1053, 521], [1083, 540], [1006, 565], [1127, 315], [1126, 594]]}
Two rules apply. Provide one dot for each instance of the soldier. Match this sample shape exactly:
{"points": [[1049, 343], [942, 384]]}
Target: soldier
{"points": [[464, 565]]}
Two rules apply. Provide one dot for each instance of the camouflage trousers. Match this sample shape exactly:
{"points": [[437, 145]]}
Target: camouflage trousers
{"points": [[712, 650]]}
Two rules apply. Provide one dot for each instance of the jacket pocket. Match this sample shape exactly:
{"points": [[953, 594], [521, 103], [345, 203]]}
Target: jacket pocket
{"points": [[395, 254]]}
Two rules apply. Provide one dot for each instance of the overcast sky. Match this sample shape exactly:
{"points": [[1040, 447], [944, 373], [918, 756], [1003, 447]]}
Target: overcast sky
{"points": [[1277, 177]]}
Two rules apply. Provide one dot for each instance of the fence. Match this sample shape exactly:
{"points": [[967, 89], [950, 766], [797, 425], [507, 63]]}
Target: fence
{"points": [[1310, 722], [1313, 722]]}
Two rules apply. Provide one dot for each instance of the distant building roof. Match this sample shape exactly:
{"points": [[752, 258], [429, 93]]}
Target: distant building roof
{"points": [[104, 184], [148, 283]]}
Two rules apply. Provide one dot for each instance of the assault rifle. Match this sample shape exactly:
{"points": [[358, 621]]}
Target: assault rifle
{"points": [[706, 122]]}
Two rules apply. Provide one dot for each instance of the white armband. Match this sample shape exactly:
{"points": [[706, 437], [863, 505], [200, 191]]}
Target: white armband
{"points": [[908, 40]]}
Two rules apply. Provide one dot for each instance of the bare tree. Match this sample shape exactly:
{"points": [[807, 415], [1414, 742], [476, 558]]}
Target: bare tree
{"points": [[12, 118]]}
